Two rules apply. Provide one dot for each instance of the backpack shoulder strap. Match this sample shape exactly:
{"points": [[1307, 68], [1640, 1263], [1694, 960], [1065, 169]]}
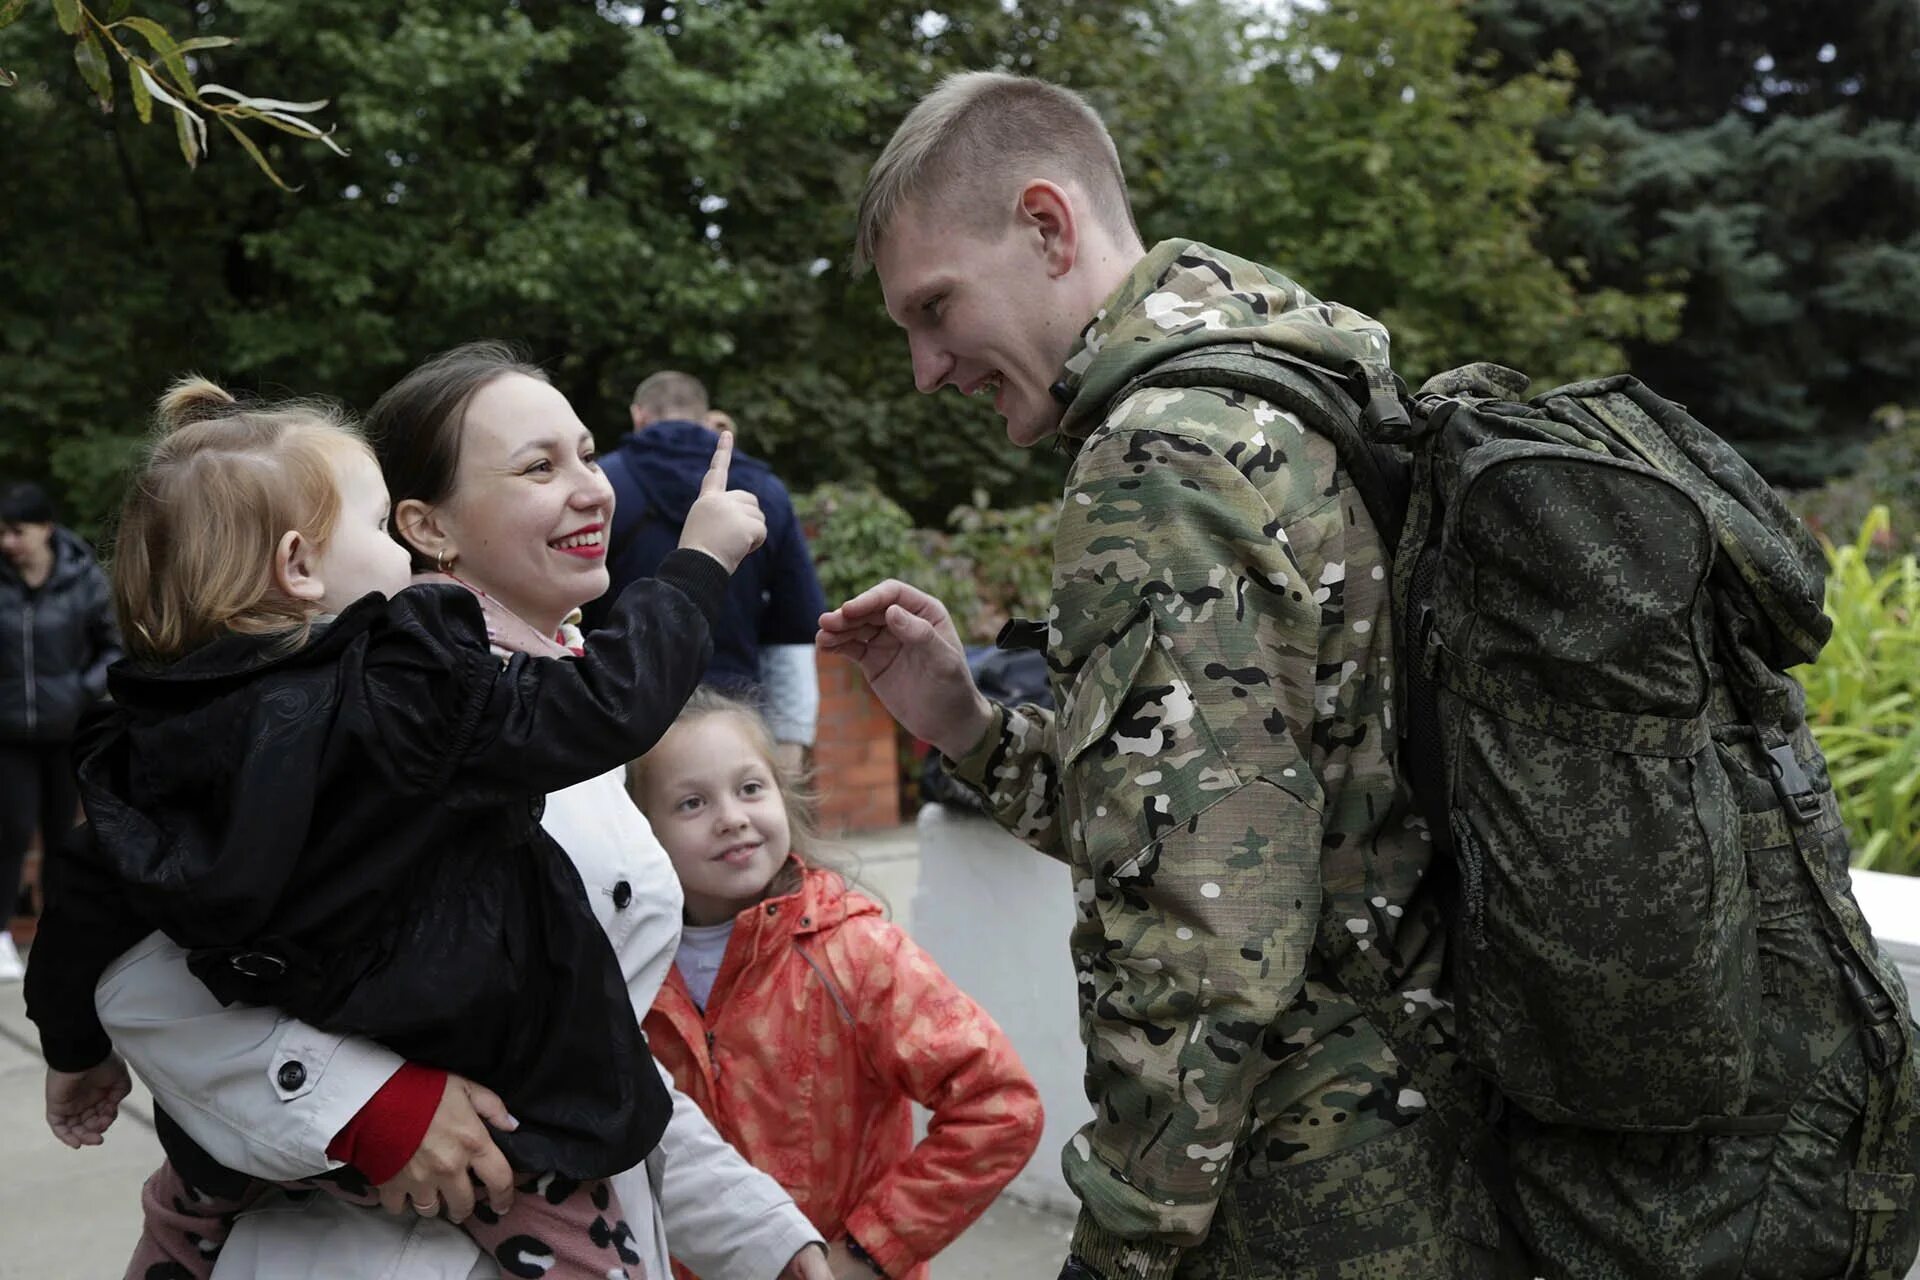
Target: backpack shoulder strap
{"points": [[1328, 404], [1336, 408]]}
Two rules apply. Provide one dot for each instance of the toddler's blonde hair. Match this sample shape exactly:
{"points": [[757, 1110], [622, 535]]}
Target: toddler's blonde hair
{"points": [[222, 485]]}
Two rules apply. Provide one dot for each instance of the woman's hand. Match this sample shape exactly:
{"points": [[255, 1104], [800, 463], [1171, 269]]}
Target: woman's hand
{"points": [[725, 523], [457, 1152], [808, 1264], [82, 1104]]}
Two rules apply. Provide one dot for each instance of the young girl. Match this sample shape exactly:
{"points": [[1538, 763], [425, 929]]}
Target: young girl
{"points": [[327, 787], [804, 1024]]}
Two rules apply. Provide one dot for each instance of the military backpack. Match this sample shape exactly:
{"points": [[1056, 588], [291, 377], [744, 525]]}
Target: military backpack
{"points": [[1597, 602]]}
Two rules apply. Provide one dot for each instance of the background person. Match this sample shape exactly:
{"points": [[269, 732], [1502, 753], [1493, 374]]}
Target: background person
{"points": [[57, 639], [763, 646]]}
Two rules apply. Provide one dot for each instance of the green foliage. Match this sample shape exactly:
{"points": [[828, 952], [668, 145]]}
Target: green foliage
{"points": [[1371, 157], [859, 536], [1863, 698], [157, 68], [986, 566], [627, 187], [1887, 477], [1002, 561], [1766, 157]]}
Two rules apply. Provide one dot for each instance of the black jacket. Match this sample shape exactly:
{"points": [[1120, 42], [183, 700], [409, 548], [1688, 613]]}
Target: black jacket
{"points": [[773, 598], [351, 833], [56, 642]]}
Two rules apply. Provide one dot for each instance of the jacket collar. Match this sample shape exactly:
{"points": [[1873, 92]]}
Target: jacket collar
{"points": [[236, 659], [821, 902], [768, 928], [1184, 295]]}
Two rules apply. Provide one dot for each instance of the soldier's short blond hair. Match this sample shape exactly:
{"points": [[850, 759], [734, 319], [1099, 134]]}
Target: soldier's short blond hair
{"points": [[975, 140], [671, 396]]}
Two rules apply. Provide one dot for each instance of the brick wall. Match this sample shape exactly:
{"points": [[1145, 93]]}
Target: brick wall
{"points": [[856, 764]]}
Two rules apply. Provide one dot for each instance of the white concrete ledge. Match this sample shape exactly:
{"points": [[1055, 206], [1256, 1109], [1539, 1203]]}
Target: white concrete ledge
{"points": [[995, 914]]}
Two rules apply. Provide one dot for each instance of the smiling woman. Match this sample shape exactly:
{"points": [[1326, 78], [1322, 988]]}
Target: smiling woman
{"points": [[495, 480]]}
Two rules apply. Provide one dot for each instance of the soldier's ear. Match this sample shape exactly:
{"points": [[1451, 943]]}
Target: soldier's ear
{"points": [[1049, 220]]}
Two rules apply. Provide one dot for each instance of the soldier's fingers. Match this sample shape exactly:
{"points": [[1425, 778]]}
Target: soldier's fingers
{"points": [[715, 481], [865, 633], [852, 650], [866, 608], [908, 627]]}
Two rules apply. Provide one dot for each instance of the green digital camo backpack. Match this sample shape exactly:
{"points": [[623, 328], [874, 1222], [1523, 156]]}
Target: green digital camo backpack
{"points": [[1597, 601]]}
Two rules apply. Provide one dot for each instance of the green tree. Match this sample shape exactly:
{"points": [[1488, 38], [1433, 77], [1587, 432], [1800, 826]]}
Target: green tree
{"points": [[117, 46], [1370, 156], [1767, 152], [627, 187]]}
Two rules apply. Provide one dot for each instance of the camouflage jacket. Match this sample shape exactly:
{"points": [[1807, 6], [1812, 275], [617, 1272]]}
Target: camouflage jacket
{"points": [[1221, 769]]}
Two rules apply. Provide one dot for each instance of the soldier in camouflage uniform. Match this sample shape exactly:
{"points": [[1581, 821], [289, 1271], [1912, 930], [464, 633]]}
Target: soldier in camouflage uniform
{"points": [[1255, 956]]}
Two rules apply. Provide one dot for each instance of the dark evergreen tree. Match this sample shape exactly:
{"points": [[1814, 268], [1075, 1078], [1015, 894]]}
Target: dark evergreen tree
{"points": [[1766, 152]]}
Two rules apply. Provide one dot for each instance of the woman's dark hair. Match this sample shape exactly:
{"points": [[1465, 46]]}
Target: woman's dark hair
{"points": [[24, 502], [415, 427]]}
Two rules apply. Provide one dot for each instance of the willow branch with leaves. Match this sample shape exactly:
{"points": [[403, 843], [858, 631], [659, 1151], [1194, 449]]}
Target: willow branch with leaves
{"points": [[158, 70]]}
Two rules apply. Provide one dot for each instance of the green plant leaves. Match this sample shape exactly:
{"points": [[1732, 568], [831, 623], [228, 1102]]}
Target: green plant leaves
{"points": [[1863, 696], [92, 64]]}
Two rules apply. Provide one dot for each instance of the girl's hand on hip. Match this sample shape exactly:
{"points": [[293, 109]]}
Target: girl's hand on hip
{"points": [[456, 1159], [844, 1266]]}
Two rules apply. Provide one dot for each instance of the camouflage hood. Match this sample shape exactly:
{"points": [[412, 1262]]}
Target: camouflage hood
{"points": [[1185, 295]]}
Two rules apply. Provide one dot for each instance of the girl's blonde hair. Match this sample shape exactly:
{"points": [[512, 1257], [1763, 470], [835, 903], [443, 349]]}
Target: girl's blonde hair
{"points": [[796, 793], [222, 485]]}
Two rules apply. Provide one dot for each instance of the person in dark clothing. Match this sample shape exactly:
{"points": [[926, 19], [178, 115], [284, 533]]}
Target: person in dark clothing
{"points": [[326, 785], [57, 638], [762, 647]]}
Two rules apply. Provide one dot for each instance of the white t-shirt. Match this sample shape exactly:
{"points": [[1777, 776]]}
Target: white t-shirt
{"points": [[702, 948]]}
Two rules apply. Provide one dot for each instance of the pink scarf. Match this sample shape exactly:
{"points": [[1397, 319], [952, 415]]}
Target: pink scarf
{"points": [[507, 631]]}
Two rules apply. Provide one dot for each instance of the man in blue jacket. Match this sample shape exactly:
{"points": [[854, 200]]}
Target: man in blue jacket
{"points": [[763, 646]]}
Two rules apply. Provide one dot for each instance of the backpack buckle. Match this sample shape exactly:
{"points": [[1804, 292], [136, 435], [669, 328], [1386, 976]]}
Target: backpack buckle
{"points": [[1791, 785], [1881, 1039], [1427, 640]]}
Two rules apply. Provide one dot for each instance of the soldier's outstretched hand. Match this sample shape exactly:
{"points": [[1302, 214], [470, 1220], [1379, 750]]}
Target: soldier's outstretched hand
{"points": [[911, 655]]}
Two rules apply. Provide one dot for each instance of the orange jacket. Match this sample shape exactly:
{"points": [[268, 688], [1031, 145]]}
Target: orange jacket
{"points": [[824, 1025]]}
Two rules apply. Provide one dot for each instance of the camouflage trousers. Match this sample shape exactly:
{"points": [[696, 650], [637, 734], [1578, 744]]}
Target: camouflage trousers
{"points": [[1412, 1205]]}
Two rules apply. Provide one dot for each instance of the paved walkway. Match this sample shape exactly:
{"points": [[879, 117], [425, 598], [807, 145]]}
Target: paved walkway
{"points": [[76, 1213]]}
